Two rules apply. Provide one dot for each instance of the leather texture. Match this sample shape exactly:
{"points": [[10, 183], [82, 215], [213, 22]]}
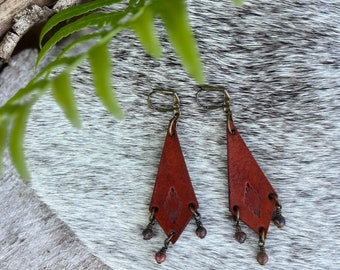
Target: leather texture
{"points": [[249, 188], [173, 192]]}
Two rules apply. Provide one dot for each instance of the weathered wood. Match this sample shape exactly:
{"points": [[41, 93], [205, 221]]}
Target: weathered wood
{"points": [[22, 23], [17, 17], [10, 8]]}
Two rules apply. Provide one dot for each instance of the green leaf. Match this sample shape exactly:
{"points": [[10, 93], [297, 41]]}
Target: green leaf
{"points": [[132, 3], [16, 141], [104, 36], [63, 94], [174, 15], [38, 85], [3, 141], [80, 40], [30, 92], [72, 12], [145, 31], [100, 60], [67, 63], [107, 37], [136, 3], [238, 2], [83, 22]]}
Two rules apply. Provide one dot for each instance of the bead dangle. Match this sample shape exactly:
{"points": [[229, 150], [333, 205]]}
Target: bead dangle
{"points": [[252, 199], [201, 232], [173, 203], [277, 218], [240, 235], [262, 256], [148, 232]]}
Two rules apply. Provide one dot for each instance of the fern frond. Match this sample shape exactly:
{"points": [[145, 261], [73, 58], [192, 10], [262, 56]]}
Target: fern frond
{"points": [[3, 139], [40, 83], [174, 15], [73, 12], [238, 2], [66, 63], [139, 16], [16, 140], [94, 19], [15, 112], [143, 25], [100, 61], [63, 93], [25, 95], [134, 3], [79, 40]]}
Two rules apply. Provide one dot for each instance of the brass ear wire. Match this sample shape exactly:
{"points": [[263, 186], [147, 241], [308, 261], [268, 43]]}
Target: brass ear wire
{"points": [[225, 104], [175, 106]]}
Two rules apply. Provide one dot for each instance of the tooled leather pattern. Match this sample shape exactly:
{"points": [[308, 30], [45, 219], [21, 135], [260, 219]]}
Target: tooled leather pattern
{"points": [[249, 188], [173, 192]]}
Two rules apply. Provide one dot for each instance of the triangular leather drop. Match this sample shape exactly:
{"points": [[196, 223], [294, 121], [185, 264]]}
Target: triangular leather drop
{"points": [[173, 192], [249, 189]]}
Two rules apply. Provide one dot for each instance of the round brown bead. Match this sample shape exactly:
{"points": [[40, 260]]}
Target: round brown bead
{"points": [[147, 234], [240, 236], [262, 258], [160, 256], [279, 221], [201, 232]]}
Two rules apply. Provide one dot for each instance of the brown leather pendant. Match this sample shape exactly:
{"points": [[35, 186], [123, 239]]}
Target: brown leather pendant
{"points": [[250, 192], [173, 193], [252, 199]]}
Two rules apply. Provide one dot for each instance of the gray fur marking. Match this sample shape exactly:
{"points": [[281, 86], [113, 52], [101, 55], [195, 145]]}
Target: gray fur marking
{"points": [[280, 63]]}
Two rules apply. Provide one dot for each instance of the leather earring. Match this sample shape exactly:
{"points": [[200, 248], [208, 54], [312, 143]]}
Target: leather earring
{"points": [[252, 199], [173, 203]]}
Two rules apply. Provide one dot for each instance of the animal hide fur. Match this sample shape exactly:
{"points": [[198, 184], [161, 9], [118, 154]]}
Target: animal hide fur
{"points": [[279, 61]]}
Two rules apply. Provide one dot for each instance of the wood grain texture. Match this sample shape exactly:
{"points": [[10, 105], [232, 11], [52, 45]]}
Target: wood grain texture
{"points": [[10, 8], [23, 17]]}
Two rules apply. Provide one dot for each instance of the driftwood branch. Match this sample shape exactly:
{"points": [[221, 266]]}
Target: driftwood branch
{"points": [[17, 17], [10, 9]]}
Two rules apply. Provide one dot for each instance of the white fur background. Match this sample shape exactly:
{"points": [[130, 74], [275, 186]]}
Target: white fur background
{"points": [[280, 63]]}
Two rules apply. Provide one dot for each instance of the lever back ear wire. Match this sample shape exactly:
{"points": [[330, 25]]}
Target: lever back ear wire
{"points": [[225, 104], [252, 199], [175, 106]]}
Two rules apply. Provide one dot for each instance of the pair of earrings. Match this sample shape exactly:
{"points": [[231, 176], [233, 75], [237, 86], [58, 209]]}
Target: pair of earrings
{"points": [[252, 199]]}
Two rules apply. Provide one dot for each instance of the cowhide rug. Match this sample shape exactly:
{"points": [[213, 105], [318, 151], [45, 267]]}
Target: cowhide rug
{"points": [[280, 62]]}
